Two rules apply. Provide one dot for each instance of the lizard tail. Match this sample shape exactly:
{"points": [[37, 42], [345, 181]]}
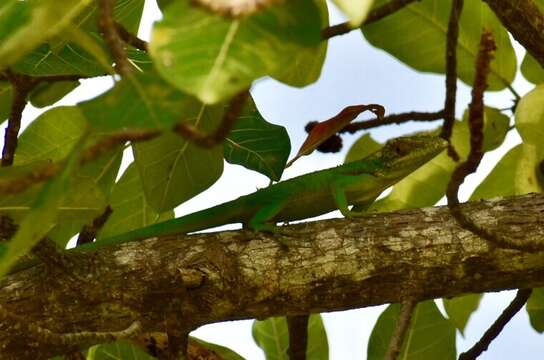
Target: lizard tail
{"points": [[226, 213]]}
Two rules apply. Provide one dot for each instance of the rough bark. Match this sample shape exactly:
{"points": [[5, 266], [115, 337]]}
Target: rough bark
{"points": [[524, 20], [330, 265]]}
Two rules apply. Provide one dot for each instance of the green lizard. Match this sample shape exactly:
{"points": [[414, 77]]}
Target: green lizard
{"points": [[357, 183]]}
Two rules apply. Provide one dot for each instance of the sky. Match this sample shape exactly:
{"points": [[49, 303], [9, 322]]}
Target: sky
{"points": [[354, 73]]}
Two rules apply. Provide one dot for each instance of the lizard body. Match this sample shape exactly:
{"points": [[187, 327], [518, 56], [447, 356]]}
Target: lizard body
{"points": [[357, 183]]}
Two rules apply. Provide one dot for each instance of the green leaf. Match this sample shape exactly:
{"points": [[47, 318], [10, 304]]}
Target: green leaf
{"points": [[42, 217], [363, 147], [224, 353], [47, 94], [130, 208], [142, 101], [531, 69], [318, 344], [30, 23], [257, 144], [272, 336], [307, 62], [416, 35], [117, 350], [174, 170], [103, 170], [51, 135], [530, 116], [83, 201], [126, 12], [6, 95], [460, 308], [535, 309], [214, 57], [496, 126], [356, 10], [515, 174], [430, 335], [59, 59]]}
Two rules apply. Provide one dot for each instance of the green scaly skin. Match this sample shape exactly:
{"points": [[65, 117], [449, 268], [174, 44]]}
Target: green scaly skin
{"points": [[357, 183]]}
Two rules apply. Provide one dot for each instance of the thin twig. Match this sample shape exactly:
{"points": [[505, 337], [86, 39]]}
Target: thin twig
{"points": [[451, 75], [88, 233], [475, 120], [298, 336], [230, 116], [130, 38], [494, 330], [407, 308], [393, 119], [106, 24], [49, 337], [373, 16], [22, 86], [118, 138]]}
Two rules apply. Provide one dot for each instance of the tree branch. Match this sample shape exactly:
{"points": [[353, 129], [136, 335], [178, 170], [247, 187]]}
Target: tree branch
{"points": [[373, 16], [516, 305], [524, 20], [336, 265]]}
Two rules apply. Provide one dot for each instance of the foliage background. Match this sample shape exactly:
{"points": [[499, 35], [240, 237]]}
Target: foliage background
{"points": [[354, 73]]}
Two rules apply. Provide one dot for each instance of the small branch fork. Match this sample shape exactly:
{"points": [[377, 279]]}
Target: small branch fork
{"points": [[495, 329], [407, 308], [22, 85], [476, 108]]}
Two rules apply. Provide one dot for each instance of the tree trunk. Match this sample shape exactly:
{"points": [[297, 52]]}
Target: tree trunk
{"points": [[330, 265]]}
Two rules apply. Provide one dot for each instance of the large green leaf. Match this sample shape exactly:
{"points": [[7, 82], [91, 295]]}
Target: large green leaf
{"points": [[116, 351], [416, 35], [530, 117], [535, 309], [130, 208], [142, 101], [430, 335], [356, 10], [47, 94], [257, 145], [363, 147], [515, 174], [126, 12], [272, 336], [531, 69], [51, 135], [174, 170], [460, 308], [518, 171], [27, 24], [214, 57], [42, 217], [307, 62]]}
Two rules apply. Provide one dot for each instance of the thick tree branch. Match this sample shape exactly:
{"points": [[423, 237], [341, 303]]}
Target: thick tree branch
{"points": [[337, 264], [524, 20]]}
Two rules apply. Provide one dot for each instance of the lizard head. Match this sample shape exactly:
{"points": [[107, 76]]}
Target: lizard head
{"points": [[403, 155]]}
